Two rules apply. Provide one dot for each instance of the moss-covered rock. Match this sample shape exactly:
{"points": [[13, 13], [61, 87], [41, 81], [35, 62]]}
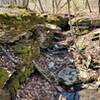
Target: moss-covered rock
{"points": [[18, 78], [80, 32], [84, 24], [4, 76], [27, 51], [81, 21], [53, 19], [16, 22], [61, 21]]}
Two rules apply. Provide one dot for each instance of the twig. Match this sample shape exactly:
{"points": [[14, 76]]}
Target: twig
{"points": [[56, 5], [63, 5], [41, 71], [75, 5], [36, 6], [59, 2]]}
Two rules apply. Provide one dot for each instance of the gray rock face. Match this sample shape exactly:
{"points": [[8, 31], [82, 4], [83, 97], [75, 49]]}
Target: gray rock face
{"points": [[68, 75]]}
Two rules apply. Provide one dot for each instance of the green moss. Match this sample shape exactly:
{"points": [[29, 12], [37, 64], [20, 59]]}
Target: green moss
{"points": [[27, 51], [18, 78], [21, 20], [80, 20], [53, 20], [4, 76], [15, 24], [80, 32]]}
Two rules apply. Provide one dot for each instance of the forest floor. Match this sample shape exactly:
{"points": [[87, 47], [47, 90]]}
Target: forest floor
{"points": [[64, 68], [62, 54]]}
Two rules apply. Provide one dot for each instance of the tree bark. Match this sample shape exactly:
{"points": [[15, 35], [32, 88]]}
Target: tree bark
{"points": [[99, 6], [41, 6]]}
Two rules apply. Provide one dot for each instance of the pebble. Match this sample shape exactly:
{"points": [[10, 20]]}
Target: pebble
{"points": [[51, 65]]}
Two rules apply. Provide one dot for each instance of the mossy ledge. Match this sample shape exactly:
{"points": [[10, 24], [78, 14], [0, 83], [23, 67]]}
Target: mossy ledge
{"points": [[4, 76], [27, 51], [18, 78], [16, 21], [12, 23]]}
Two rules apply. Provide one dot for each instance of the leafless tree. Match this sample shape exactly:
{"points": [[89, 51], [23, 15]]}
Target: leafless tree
{"points": [[21, 3], [53, 6], [41, 6], [87, 4], [99, 6], [25, 3]]}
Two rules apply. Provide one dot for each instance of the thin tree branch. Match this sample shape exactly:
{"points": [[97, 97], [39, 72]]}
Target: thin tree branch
{"points": [[41, 6], [88, 5], [56, 5], [63, 6], [59, 2], [53, 6], [36, 5], [99, 6]]}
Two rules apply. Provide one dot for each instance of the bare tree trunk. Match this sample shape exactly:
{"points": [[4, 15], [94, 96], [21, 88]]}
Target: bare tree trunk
{"points": [[41, 6], [60, 8], [99, 14], [56, 5], [88, 5], [99, 6], [59, 2], [25, 3], [53, 6]]}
